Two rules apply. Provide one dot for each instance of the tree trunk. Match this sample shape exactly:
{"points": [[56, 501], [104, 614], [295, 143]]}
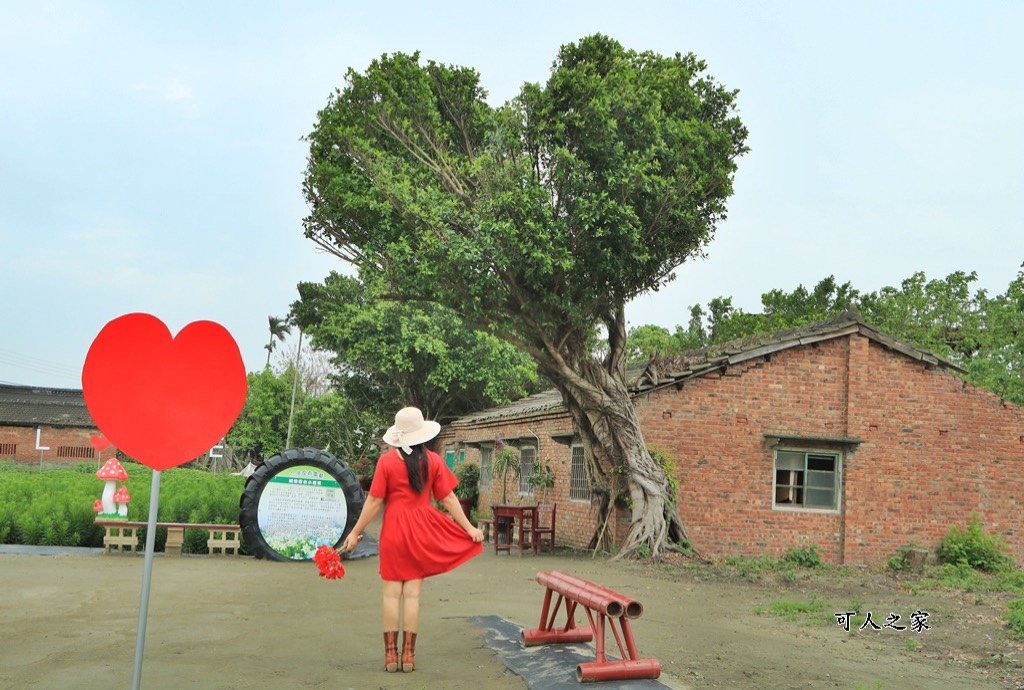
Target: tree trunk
{"points": [[596, 395]]}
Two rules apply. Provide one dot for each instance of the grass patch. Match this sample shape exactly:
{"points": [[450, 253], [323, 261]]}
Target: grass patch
{"points": [[1015, 620], [960, 576], [815, 610]]}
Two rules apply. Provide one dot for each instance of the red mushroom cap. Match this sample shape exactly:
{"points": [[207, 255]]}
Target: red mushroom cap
{"points": [[112, 470], [121, 496], [97, 506]]}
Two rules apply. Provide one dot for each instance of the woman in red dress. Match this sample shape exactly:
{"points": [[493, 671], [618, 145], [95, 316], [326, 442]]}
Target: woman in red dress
{"points": [[416, 539]]}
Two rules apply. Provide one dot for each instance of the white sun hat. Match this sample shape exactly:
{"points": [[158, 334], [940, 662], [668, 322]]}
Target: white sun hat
{"points": [[410, 429]]}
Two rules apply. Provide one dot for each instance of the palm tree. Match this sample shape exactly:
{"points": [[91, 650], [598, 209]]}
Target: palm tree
{"points": [[279, 328]]}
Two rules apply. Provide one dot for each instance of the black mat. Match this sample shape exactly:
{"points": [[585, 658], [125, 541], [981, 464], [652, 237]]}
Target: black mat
{"points": [[547, 667]]}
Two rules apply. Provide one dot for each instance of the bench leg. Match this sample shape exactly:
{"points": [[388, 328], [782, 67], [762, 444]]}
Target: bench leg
{"points": [[125, 541], [228, 541], [175, 540]]}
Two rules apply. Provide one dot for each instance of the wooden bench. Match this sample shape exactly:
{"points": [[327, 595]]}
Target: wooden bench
{"points": [[122, 536]]}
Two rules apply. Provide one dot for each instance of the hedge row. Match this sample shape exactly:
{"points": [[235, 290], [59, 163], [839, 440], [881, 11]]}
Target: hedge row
{"points": [[54, 507]]}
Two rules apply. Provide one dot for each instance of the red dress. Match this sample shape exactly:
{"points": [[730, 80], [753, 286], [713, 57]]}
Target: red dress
{"points": [[417, 540]]}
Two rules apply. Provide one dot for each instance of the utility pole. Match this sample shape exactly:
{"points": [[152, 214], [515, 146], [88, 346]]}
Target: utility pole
{"points": [[295, 384]]}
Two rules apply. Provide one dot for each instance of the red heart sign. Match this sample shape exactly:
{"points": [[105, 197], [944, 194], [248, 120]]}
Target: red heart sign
{"points": [[98, 442], [163, 400]]}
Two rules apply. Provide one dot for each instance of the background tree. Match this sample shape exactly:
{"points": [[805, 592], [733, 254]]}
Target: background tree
{"points": [[260, 429], [317, 372], [279, 328], [538, 219], [984, 335], [332, 422], [390, 354]]}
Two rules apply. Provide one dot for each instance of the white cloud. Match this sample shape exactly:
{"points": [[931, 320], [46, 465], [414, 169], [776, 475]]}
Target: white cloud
{"points": [[177, 91]]}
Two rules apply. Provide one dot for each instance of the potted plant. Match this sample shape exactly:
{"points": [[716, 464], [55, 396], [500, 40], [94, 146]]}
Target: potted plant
{"points": [[505, 464], [363, 467], [542, 479], [468, 490]]}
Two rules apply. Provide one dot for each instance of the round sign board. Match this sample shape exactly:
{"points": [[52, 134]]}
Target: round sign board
{"points": [[296, 501]]}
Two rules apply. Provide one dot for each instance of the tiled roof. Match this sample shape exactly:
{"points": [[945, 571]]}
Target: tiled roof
{"points": [[547, 401], [662, 371], [31, 406], [669, 370]]}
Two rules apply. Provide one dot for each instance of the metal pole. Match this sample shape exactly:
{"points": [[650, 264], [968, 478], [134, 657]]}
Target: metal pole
{"points": [[147, 575], [295, 383]]}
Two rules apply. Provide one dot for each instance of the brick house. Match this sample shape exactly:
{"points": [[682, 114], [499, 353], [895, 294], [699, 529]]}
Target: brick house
{"points": [[46, 425], [831, 434]]}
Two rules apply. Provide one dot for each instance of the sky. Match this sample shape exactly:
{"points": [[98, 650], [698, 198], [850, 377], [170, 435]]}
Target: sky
{"points": [[151, 154]]}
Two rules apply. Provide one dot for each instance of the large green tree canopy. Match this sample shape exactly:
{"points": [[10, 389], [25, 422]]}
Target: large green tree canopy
{"points": [[539, 218]]}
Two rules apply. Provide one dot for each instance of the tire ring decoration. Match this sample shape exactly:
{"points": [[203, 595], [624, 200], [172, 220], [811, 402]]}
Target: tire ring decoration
{"points": [[297, 500]]}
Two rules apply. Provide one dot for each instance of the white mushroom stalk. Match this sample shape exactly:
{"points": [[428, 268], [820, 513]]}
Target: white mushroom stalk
{"points": [[112, 472], [122, 499]]}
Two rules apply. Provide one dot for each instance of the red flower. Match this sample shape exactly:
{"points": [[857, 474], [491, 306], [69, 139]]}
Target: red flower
{"points": [[329, 562]]}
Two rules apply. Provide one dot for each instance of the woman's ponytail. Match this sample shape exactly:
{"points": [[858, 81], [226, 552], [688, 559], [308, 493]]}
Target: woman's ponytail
{"points": [[416, 466]]}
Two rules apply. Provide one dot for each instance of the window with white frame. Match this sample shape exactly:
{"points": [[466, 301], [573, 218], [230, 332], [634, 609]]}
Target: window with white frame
{"points": [[579, 481], [807, 480], [449, 457], [486, 453], [527, 454]]}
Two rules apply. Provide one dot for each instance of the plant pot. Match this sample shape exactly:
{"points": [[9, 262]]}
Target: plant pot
{"points": [[467, 505]]}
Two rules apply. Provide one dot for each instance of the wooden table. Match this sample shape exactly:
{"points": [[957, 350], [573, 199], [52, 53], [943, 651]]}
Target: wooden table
{"points": [[509, 520]]}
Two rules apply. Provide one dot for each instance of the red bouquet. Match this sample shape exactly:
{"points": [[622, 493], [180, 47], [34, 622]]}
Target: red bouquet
{"points": [[329, 562]]}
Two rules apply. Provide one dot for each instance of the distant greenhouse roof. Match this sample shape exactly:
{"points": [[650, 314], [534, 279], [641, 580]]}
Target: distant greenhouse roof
{"points": [[37, 406]]}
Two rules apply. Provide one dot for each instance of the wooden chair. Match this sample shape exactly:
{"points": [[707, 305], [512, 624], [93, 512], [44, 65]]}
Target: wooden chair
{"points": [[545, 527]]}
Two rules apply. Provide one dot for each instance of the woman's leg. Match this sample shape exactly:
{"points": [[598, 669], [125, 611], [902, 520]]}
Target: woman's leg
{"points": [[411, 605], [392, 595], [410, 622], [392, 599]]}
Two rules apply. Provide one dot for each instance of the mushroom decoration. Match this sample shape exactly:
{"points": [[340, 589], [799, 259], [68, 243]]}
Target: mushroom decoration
{"points": [[122, 499], [113, 473], [97, 506]]}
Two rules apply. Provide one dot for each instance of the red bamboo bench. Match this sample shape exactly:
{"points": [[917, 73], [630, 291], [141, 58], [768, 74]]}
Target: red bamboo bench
{"points": [[600, 604]]}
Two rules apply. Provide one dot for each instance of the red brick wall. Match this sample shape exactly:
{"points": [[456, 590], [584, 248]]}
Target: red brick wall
{"points": [[713, 428], [66, 445], [936, 450], [576, 520], [933, 450]]}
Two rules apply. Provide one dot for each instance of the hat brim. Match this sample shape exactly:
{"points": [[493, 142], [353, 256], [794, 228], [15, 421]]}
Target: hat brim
{"points": [[426, 432]]}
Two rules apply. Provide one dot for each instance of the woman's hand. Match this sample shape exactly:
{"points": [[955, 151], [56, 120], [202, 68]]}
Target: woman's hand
{"points": [[476, 533], [351, 541]]}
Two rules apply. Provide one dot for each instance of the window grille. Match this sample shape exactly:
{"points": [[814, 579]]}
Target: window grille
{"points": [[579, 482], [485, 467], [83, 452], [527, 454], [8, 449]]}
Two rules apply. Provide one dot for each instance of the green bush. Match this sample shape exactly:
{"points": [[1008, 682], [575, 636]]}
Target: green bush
{"points": [[805, 557], [468, 474], [1015, 621], [54, 507], [974, 548]]}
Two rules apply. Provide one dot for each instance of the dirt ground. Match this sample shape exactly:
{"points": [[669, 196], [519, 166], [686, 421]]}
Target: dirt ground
{"points": [[69, 621]]}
